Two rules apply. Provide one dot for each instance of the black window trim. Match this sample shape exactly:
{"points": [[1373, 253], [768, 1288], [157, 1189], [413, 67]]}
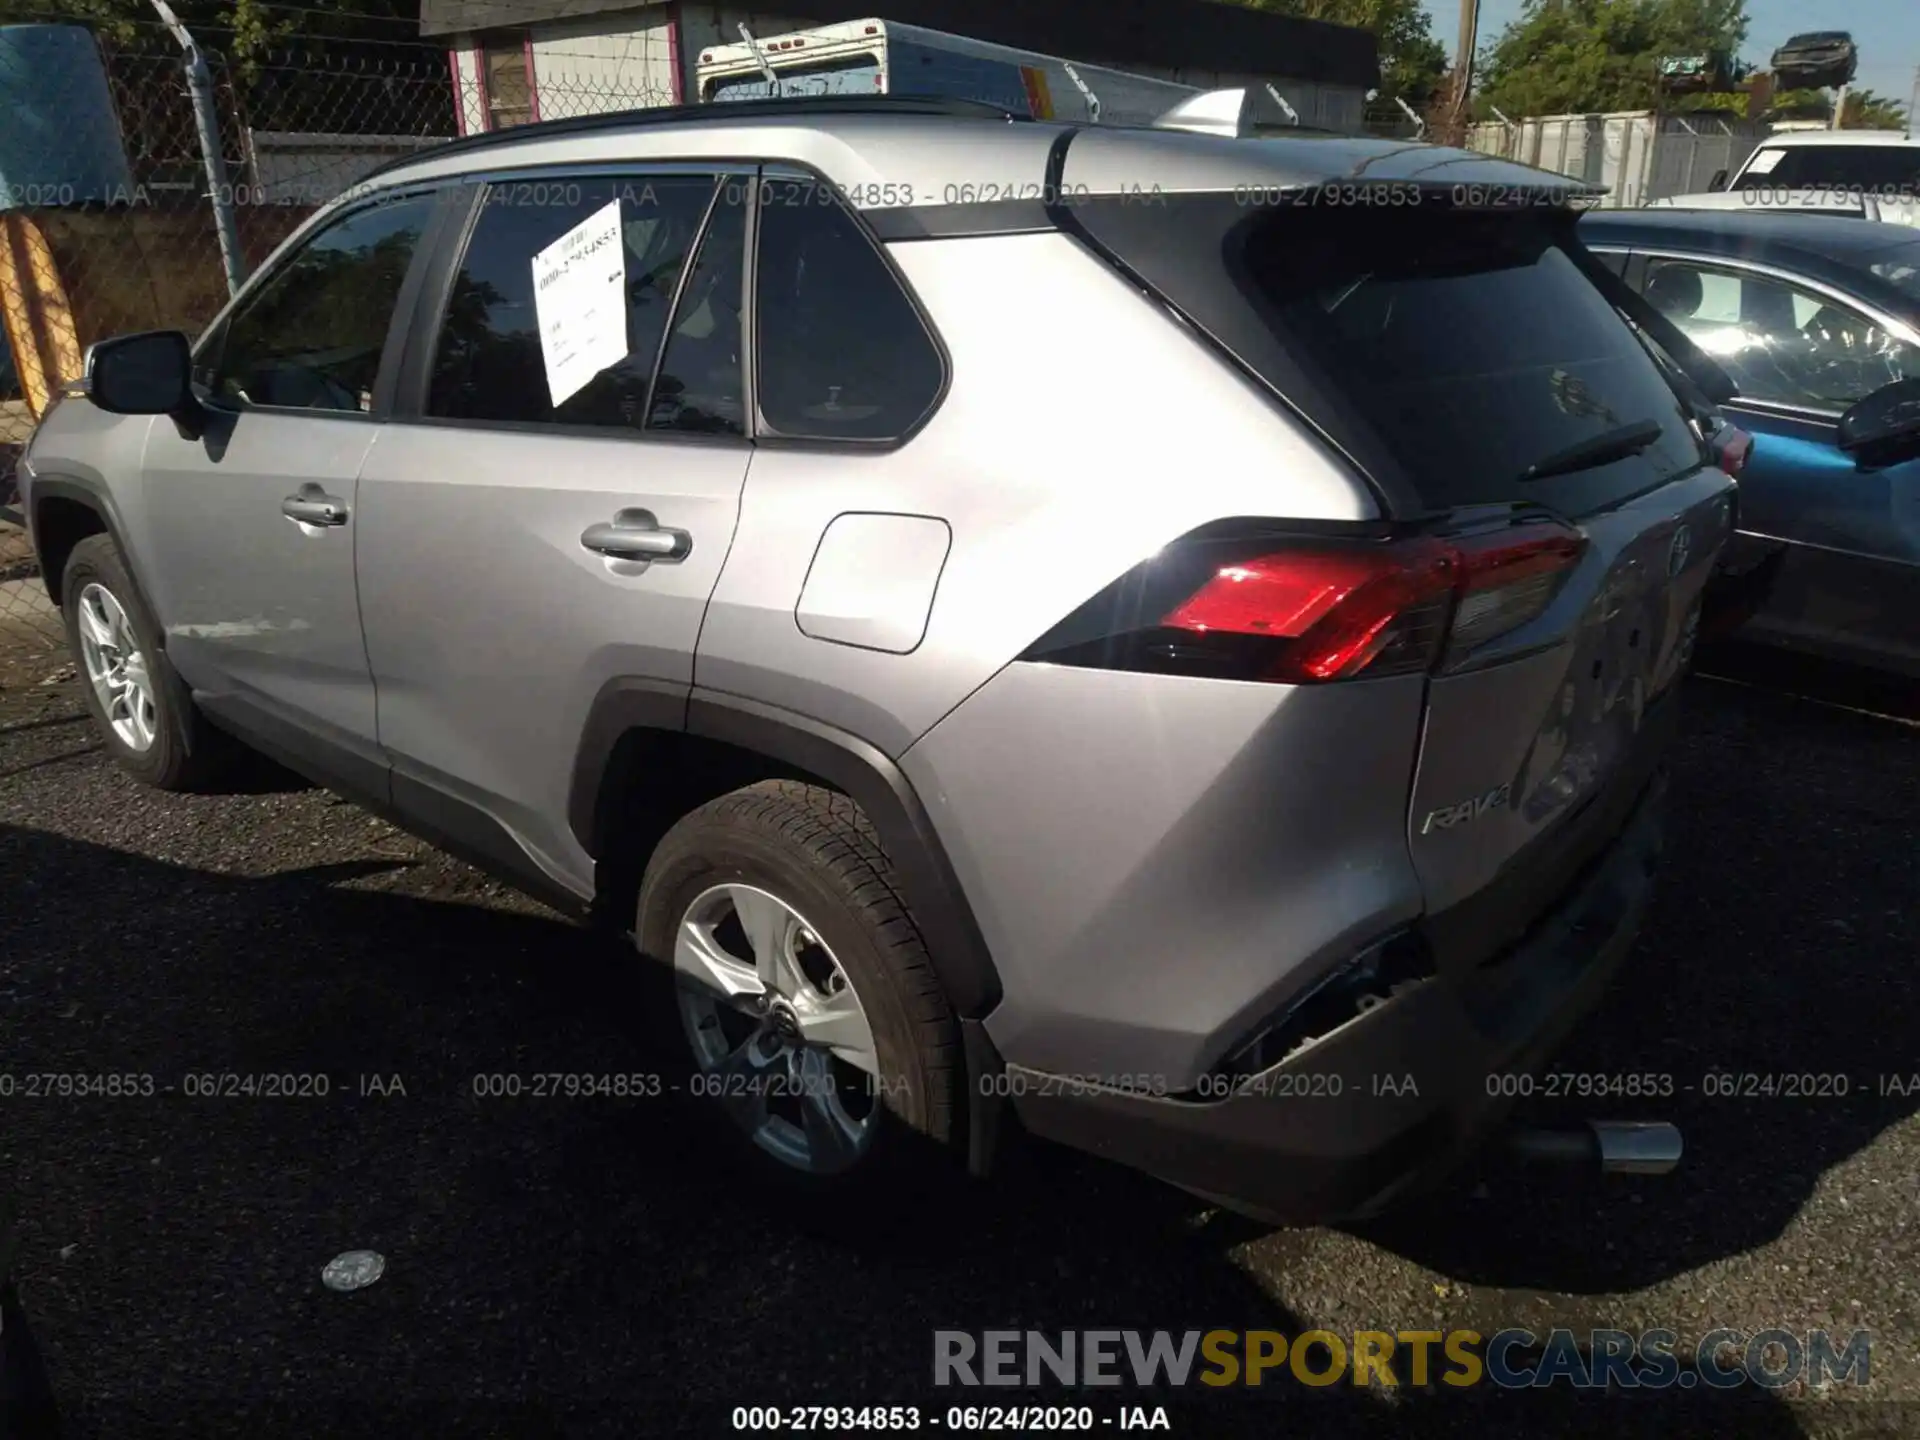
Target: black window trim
{"points": [[430, 302], [700, 235], [1816, 414], [409, 399], [392, 346], [763, 433]]}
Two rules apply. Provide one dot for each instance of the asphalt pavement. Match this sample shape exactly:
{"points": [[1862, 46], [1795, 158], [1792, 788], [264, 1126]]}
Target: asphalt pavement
{"points": [[592, 1266]]}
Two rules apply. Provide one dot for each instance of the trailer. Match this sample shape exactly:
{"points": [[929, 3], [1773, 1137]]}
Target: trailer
{"points": [[882, 57]]}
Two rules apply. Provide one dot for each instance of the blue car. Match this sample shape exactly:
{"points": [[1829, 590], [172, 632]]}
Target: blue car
{"points": [[1816, 319]]}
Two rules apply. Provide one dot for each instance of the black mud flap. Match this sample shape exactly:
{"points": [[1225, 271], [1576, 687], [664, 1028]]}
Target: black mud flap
{"points": [[1741, 585]]}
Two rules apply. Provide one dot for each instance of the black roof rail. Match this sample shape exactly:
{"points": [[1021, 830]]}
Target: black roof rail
{"points": [[773, 107]]}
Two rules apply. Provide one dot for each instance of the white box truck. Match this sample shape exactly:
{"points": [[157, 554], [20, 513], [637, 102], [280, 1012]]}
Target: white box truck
{"points": [[882, 57]]}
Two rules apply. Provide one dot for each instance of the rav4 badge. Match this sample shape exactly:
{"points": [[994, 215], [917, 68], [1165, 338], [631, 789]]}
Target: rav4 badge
{"points": [[1467, 811]]}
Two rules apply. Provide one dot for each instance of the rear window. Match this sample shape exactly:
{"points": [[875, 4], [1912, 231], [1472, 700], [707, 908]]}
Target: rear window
{"points": [[1892, 169], [1467, 347], [848, 75]]}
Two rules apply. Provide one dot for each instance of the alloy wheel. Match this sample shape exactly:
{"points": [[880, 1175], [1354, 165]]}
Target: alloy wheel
{"points": [[117, 668], [780, 1036]]}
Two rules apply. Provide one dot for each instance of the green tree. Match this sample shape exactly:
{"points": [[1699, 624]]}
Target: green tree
{"points": [[1868, 111], [1581, 56], [244, 30], [1864, 110], [1412, 62]]}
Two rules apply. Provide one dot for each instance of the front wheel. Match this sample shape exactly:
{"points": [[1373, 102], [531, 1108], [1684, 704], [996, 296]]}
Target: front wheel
{"points": [[143, 712], [820, 1038]]}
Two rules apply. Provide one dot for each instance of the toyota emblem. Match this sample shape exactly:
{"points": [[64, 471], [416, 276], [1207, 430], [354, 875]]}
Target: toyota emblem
{"points": [[1681, 551]]}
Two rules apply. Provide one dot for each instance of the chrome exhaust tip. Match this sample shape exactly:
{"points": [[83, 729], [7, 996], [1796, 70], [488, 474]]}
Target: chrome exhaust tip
{"points": [[1637, 1147], [1618, 1147]]}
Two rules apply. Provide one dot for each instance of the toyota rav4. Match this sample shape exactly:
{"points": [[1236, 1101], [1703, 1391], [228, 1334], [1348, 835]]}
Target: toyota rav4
{"points": [[1164, 636]]}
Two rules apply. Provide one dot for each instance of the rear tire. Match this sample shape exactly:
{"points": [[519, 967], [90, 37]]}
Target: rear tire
{"points": [[144, 713], [805, 864]]}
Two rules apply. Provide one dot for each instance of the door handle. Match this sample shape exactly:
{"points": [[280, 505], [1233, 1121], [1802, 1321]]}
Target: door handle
{"points": [[636, 535], [312, 508]]}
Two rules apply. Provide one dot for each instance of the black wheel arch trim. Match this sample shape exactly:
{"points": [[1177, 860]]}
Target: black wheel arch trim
{"points": [[101, 503], [623, 705], [868, 775]]}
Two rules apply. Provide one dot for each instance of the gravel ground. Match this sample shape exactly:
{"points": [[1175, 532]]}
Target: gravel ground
{"points": [[590, 1267]]}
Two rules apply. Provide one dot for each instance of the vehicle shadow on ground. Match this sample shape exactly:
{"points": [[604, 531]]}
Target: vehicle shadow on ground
{"points": [[1780, 945], [555, 1266]]}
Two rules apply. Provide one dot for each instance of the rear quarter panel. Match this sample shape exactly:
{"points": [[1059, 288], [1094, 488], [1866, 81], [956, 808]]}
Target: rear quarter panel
{"points": [[1080, 432]]}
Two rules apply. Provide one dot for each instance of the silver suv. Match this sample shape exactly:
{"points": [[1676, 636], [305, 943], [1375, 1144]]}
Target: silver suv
{"points": [[1165, 638]]}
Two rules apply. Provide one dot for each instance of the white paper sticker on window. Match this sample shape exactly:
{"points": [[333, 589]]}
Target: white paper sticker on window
{"points": [[1764, 161], [580, 300]]}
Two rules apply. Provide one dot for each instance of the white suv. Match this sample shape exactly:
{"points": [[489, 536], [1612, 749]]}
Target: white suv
{"points": [[1874, 174]]}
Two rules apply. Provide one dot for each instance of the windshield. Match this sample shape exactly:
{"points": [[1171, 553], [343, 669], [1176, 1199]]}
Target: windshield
{"points": [[1888, 169]]}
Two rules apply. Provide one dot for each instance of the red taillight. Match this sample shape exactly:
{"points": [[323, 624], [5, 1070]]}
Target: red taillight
{"points": [[1731, 447], [1342, 609], [1306, 612], [1506, 581]]}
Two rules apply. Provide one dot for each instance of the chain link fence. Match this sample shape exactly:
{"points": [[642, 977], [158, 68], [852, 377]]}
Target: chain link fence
{"points": [[122, 231], [1640, 156]]}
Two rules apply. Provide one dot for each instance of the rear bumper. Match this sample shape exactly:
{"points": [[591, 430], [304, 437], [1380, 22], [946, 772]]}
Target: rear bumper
{"points": [[1397, 1096]]}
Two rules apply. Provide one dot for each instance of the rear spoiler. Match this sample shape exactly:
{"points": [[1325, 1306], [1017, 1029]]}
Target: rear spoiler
{"points": [[1251, 110], [1239, 113]]}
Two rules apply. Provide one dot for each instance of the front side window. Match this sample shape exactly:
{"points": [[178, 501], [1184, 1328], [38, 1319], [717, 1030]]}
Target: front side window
{"points": [[310, 337], [561, 302], [1779, 342], [842, 352]]}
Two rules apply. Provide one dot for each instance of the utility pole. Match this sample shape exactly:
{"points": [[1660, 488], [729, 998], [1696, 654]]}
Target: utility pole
{"points": [[1469, 36], [1913, 102]]}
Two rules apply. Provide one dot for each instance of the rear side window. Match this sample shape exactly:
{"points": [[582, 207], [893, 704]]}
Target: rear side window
{"points": [[843, 353], [562, 301], [1779, 342], [1467, 346], [699, 389]]}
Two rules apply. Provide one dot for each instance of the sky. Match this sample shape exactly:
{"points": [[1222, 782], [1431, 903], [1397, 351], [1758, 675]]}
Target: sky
{"points": [[1887, 32]]}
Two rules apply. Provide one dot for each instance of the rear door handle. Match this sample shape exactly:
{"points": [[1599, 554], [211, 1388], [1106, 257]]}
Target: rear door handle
{"points": [[636, 535], [313, 508]]}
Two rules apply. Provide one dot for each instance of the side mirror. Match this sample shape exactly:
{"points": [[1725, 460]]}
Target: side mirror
{"points": [[1719, 180], [1884, 428], [150, 373]]}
